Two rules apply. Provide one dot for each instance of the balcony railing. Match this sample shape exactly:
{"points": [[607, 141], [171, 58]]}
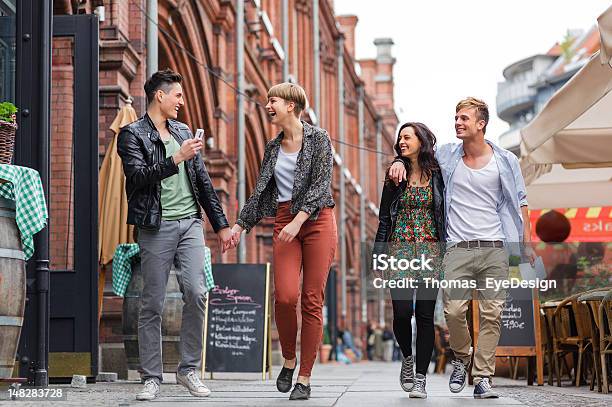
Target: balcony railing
{"points": [[515, 96]]}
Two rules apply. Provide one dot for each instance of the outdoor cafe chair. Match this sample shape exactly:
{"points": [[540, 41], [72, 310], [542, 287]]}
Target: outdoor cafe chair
{"points": [[593, 301], [571, 334], [547, 345], [605, 336]]}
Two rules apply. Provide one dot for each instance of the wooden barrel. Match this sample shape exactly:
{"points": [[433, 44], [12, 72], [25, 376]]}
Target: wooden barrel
{"points": [[171, 321], [12, 287]]}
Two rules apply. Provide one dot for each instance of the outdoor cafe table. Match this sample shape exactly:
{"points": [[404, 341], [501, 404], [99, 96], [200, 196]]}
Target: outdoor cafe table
{"points": [[24, 213], [23, 185]]}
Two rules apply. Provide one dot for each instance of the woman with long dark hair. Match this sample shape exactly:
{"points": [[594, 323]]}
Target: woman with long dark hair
{"points": [[411, 224]]}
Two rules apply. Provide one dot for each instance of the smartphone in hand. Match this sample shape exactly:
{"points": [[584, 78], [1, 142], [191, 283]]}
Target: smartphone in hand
{"points": [[199, 135]]}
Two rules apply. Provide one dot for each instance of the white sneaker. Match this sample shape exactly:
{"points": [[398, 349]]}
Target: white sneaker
{"points": [[193, 383], [418, 391], [149, 391]]}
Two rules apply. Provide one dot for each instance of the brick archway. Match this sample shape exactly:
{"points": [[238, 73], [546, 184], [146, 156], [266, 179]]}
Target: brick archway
{"points": [[190, 30]]}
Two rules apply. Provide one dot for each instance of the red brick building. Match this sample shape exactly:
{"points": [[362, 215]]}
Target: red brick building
{"points": [[198, 39]]}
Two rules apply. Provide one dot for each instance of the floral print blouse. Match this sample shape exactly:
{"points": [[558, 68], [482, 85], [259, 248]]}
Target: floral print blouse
{"points": [[415, 232]]}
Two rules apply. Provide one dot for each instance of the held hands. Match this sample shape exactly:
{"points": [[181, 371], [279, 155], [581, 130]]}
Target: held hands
{"points": [[397, 173], [189, 149], [236, 232], [225, 239]]}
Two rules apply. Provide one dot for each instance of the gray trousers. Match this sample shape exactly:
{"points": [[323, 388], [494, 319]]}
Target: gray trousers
{"points": [[180, 242]]}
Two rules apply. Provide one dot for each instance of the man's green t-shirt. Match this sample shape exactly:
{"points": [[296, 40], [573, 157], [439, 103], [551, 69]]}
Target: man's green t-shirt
{"points": [[177, 199]]}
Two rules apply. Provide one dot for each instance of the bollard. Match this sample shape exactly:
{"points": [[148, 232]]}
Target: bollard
{"points": [[78, 382]]}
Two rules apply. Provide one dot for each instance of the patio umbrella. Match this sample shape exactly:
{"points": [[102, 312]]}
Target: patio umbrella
{"points": [[112, 200], [566, 150]]}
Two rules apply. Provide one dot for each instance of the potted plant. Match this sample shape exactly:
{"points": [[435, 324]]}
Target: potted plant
{"points": [[326, 347], [8, 128]]}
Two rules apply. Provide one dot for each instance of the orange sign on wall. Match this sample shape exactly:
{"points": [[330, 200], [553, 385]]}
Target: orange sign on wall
{"points": [[587, 224]]}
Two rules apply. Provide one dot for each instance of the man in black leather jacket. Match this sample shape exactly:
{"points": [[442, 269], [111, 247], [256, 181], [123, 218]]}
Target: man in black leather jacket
{"points": [[166, 183]]}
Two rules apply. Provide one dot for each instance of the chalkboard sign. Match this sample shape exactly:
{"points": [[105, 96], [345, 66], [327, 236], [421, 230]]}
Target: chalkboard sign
{"points": [[237, 321], [517, 323], [520, 330]]}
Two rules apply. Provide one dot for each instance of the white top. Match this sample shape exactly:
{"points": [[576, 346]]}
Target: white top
{"points": [[476, 196], [284, 174]]}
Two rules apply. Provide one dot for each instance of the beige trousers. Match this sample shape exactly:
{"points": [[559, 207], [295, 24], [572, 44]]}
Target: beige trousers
{"points": [[476, 264]]}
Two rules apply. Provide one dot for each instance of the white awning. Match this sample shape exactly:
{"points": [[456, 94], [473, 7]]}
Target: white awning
{"points": [[566, 150], [571, 188], [575, 127]]}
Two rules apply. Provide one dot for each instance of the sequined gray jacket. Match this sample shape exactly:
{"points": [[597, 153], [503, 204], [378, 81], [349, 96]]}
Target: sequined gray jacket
{"points": [[311, 186]]}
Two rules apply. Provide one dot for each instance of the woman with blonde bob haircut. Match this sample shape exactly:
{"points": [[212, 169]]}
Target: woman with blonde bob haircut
{"points": [[294, 186]]}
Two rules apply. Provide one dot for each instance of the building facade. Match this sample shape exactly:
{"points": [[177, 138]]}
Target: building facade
{"points": [[516, 97], [530, 82]]}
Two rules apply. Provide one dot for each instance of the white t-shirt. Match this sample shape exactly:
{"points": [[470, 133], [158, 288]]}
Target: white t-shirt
{"points": [[476, 196], [284, 174]]}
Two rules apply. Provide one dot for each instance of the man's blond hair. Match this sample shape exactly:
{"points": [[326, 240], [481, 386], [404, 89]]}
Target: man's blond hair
{"points": [[291, 93], [482, 110]]}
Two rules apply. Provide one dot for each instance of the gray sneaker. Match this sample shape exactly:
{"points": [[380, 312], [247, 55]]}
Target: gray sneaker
{"points": [[457, 380], [418, 391], [149, 391], [407, 374], [193, 383]]}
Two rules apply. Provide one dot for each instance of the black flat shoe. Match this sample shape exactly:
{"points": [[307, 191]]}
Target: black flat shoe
{"points": [[284, 379], [300, 392]]}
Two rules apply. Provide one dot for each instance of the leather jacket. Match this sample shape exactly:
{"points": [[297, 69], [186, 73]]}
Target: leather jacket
{"points": [[145, 165], [389, 204]]}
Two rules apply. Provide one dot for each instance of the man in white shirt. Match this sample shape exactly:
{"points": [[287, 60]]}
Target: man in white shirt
{"points": [[486, 213]]}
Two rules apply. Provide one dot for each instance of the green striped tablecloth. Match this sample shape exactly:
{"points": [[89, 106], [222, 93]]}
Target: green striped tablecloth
{"points": [[25, 188], [127, 253]]}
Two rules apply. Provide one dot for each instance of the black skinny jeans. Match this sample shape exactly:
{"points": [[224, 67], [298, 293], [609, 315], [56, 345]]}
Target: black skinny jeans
{"points": [[403, 310]]}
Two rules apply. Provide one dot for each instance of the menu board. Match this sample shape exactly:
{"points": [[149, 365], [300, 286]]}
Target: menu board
{"points": [[517, 323], [237, 323]]}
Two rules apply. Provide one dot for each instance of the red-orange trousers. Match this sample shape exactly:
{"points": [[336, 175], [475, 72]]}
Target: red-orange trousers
{"points": [[312, 251]]}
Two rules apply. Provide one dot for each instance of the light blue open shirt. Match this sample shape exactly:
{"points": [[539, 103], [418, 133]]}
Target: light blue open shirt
{"points": [[512, 183]]}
